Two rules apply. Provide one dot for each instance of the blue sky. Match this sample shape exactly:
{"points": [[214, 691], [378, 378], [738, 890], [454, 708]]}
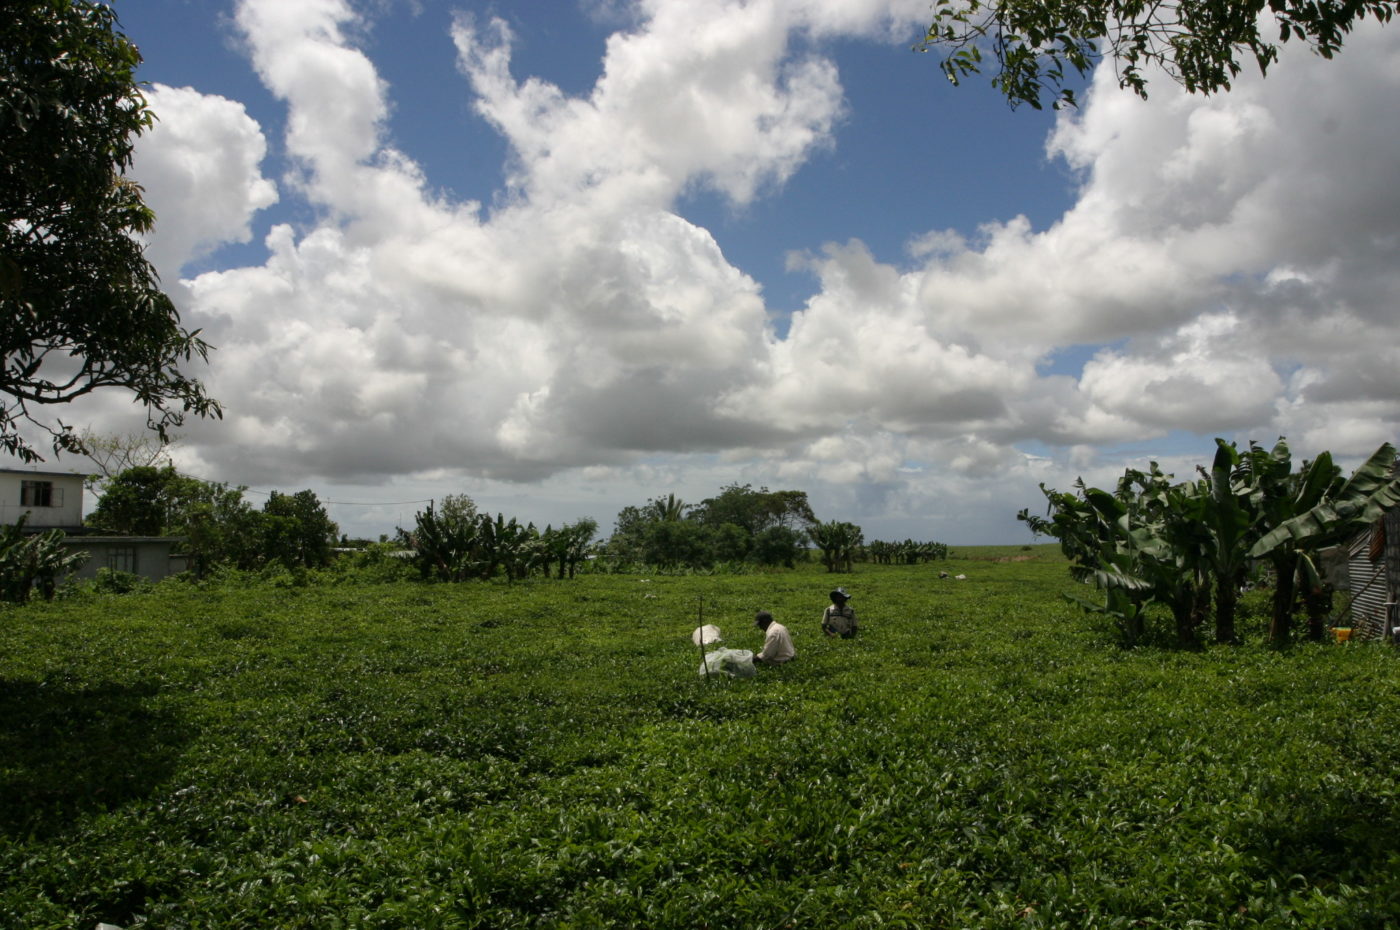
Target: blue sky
{"points": [[565, 257]]}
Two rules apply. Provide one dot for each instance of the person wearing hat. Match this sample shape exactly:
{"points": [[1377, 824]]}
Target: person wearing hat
{"points": [[840, 618], [777, 641]]}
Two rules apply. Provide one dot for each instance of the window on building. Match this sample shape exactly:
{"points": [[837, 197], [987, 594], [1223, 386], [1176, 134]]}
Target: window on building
{"points": [[122, 559], [40, 494]]}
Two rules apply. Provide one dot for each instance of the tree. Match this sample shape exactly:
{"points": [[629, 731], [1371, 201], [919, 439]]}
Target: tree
{"points": [[139, 501], [754, 511], [114, 453], [567, 546], [1201, 44], [298, 530], [80, 307], [1182, 545], [458, 508], [672, 508], [1228, 518], [629, 535], [218, 525], [675, 543], [730, 542], [1109, 539], [778, 545], [838, 542], [634, 534], [509, 545], [445, 543]]}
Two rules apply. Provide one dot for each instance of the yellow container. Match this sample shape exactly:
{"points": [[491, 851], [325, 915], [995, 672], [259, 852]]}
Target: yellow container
{"points": [[1343, 633]]}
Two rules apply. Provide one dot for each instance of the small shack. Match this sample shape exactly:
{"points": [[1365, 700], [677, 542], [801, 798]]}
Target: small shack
{"points": [[148, 556], [1369, 580]]}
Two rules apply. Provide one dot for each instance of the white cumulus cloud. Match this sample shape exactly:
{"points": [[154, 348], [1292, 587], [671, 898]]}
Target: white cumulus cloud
{"points": [[1229, 266]]}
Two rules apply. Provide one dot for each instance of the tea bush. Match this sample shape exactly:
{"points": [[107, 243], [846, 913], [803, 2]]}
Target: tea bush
{"points": [[545, 754]]}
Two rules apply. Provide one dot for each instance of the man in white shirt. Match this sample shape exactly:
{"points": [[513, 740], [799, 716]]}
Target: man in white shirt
{"points": [[777, 641]]}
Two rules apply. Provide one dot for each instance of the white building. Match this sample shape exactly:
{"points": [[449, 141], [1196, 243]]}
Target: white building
{"points": [[54, 500], [51, 498]]}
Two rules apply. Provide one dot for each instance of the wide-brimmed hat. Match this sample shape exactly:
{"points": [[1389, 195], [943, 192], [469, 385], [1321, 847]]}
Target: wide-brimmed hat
{"points": [[841, 593]]}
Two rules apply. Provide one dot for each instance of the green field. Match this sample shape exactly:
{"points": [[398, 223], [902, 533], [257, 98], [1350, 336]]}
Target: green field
{"points": [[546, 755]]}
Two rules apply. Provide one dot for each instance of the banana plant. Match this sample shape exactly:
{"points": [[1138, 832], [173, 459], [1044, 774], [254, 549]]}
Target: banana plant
{"points": [[567, 546], [1228, 521], [1312, 511], [1123, 546], [509, 546], [446, 547], [1279, 494], [30, 560], [838, 542], [1138, 544]]}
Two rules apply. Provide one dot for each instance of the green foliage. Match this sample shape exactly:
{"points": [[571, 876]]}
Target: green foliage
{"points": [[668, 510], [624, 547], [115, 581], [839, 542], [29, 560], [457, 544], [545, 755], [1201, 44], [567, 547], [908, 552], [80, 307], [376, 563], [218, 525], [1192, 544], [446, 545], [141, 501], [737, 526], [673, 543], [755, 511], [778, 546], [297, 530]]}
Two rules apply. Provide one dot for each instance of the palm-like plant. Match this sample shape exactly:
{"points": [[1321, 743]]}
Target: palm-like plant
{"points": [[446, 547], [508, 545], [1229, 523], [27, 560], [567, 546], [1179, 544], [1311, 511], [670, 509], [838, 542], [1146, 541]]}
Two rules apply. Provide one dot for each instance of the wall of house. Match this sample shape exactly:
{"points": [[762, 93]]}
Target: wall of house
{"points": [[65, 509], [1366, 589], [146, 556]]}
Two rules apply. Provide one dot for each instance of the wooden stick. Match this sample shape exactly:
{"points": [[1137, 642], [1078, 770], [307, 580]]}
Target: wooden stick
{"points": [[700, 628]]}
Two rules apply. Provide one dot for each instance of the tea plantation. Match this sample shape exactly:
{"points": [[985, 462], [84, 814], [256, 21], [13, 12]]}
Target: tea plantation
{"points": [[545, 755]]}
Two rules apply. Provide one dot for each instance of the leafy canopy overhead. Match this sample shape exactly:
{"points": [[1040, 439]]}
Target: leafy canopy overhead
{"points": [[80, 307], [1201, 44]]}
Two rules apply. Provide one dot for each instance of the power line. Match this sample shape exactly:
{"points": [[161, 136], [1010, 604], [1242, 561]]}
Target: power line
{"points": [[425, 500]]}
